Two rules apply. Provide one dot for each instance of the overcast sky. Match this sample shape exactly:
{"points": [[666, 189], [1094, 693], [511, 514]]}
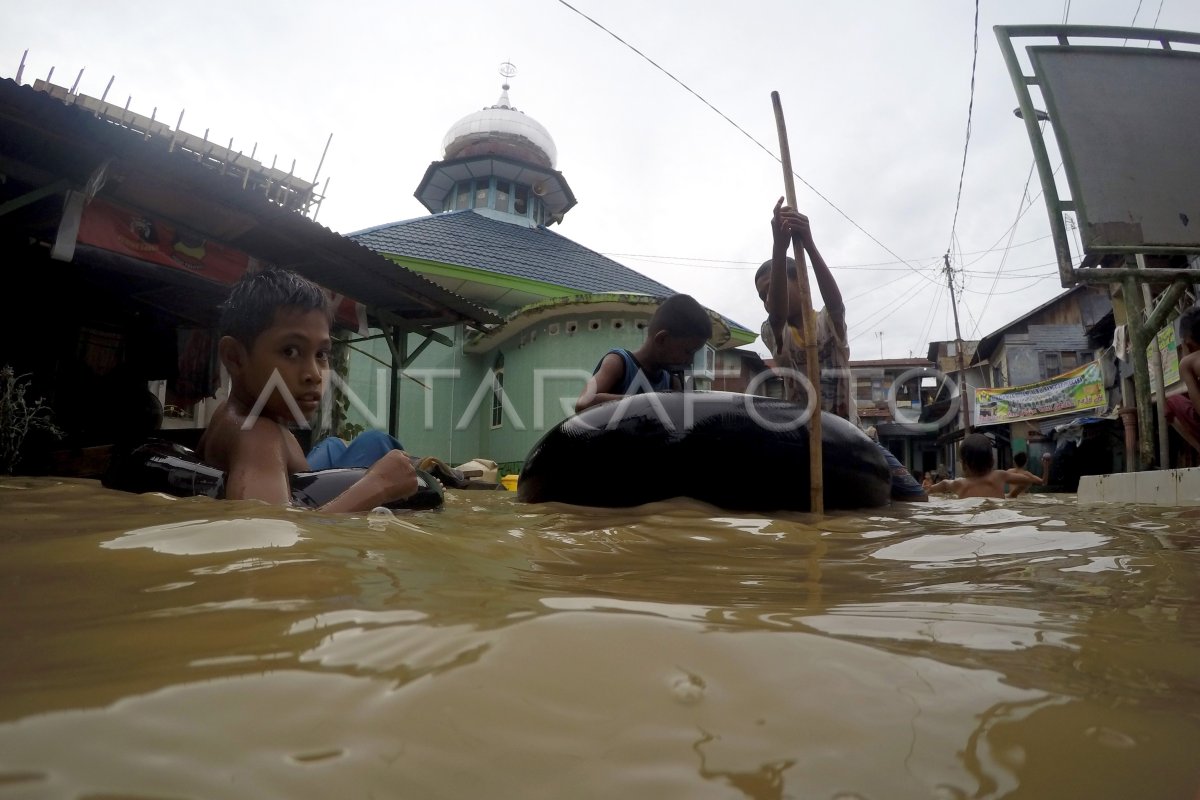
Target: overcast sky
{"points": [[875, 95]]}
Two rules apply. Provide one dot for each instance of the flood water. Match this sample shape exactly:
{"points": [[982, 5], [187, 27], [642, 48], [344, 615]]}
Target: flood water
{"points": [[162, 648]]}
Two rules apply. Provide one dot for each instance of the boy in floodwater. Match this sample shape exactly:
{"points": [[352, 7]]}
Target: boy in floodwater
{"points": [[677, 330], [981, 479], [778, 285], [1019, 461], [1183, 409], [275, 345]]}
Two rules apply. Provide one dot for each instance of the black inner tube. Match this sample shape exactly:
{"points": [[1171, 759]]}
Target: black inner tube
{"points": [[169, 468]]}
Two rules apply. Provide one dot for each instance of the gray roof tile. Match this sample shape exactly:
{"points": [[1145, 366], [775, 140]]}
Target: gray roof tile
{"points": [[468, 239]]}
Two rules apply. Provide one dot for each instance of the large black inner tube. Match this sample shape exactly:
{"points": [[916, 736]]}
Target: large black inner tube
{"points": [[735, 451], [169, 468]]}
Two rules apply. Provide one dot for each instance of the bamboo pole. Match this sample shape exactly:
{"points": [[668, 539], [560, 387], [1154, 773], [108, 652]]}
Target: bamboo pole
{"points": [[813, 367]]}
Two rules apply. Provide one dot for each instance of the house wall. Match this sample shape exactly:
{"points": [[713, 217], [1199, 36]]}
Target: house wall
{"points": [[560, 362]]}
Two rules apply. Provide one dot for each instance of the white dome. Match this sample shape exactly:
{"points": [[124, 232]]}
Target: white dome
{"points": [[499, 120]]}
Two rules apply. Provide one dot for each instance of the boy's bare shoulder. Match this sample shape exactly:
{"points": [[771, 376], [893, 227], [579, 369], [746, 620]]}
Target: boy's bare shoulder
{"points": [[229, 439]]}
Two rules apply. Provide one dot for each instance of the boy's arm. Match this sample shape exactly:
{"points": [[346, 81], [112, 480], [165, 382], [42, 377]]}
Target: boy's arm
{"points": [[390, 478], [258, 470], [600, 386], [776, 300], [258, 465], [1021, 477], [942, 486], [831, 295]]}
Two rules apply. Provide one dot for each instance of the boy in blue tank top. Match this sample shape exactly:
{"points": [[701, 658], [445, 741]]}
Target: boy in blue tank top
{"points": [[677, 330]]}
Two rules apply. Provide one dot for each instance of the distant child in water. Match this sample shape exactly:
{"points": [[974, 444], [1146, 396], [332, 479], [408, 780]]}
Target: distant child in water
{"points": [[1020, 460], [677, 330], [981, 479]]}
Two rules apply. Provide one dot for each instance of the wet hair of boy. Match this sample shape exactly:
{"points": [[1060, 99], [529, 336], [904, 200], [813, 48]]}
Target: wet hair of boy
{"points": [[976, 453], [255, 298], [789, 268], [681, 317], [1020, 459], [1189, 324]]}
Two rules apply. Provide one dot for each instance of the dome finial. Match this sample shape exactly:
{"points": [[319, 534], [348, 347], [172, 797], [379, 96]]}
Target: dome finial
{"points": [[507, 69]]}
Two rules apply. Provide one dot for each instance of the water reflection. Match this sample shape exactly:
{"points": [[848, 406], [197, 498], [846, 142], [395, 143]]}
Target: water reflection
{"points": [[159, 647]]}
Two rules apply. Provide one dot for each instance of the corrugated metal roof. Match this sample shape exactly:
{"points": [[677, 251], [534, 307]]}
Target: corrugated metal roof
{"points": [[47, 137]]}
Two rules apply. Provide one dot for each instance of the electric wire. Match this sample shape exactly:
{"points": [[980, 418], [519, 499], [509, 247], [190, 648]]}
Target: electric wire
{"points": [[746, 133], [1133, 21], [704, 263], [970, 111]]}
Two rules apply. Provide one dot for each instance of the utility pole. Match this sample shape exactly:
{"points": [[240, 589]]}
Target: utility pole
{"points": [[958, 346]]}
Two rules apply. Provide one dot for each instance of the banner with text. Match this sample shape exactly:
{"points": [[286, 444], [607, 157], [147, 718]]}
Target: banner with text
{"points": [[1078, 390]]}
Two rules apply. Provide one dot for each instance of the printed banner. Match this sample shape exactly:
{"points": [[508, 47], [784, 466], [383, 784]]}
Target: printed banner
{"points": [[1078, 390], [147, 238], [1168, 350]]}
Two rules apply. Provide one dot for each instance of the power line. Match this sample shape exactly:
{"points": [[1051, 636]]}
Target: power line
{"points": [[876, 288], [970, 111], [747, 134], [1133, 21], [1156, 16], [702, 263]]}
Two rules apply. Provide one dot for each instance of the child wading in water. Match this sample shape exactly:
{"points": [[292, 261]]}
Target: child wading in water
{"points": [[275, 345], [981, 479]]}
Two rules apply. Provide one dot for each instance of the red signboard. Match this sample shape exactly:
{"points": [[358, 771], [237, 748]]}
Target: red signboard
{"points": [[147, 238]]}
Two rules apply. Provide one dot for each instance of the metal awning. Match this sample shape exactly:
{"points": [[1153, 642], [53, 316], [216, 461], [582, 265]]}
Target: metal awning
{"points": [[45, 144]]}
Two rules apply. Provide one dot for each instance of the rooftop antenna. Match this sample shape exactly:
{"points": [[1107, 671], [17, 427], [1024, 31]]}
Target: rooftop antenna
{"points": [[21, 68]]}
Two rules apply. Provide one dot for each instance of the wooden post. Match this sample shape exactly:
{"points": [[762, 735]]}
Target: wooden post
{"points": [[815, 460]]}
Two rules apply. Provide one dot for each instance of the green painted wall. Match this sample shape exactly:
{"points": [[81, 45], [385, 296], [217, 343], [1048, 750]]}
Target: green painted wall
{"points": [[456, 436]]}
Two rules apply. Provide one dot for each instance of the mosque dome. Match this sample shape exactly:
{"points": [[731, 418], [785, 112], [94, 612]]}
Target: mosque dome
{"points": [[501, 162], [501, 130]]}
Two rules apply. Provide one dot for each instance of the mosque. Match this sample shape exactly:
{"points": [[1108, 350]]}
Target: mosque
{"points": [[493, 198]]}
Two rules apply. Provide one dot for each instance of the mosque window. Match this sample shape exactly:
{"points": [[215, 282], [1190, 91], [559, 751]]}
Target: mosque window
{"points": [[521, 200], [481, 193], [502, 190], [464, 195], [497, 397]]}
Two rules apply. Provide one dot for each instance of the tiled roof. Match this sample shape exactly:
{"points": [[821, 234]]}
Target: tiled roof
{"points": [[470, 239]]}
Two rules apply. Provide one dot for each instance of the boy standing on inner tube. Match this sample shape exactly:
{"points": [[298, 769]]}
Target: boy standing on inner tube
{"points": [[677, 330], [275, 345], [778, 287]]}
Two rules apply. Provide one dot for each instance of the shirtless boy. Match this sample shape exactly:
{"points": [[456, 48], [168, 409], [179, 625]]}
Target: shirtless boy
{"points": [[275, 345], [981, 479]]}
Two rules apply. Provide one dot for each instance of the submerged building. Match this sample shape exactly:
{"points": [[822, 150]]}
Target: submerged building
{"points": [[493, 198]]}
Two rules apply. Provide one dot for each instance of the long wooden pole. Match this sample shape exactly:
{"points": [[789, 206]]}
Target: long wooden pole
{"points": [[813, 368]]}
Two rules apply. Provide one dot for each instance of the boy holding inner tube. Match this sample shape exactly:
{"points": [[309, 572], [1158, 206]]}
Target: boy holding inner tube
{"points": [[677, 330], [778, 287], [275, 345]]}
